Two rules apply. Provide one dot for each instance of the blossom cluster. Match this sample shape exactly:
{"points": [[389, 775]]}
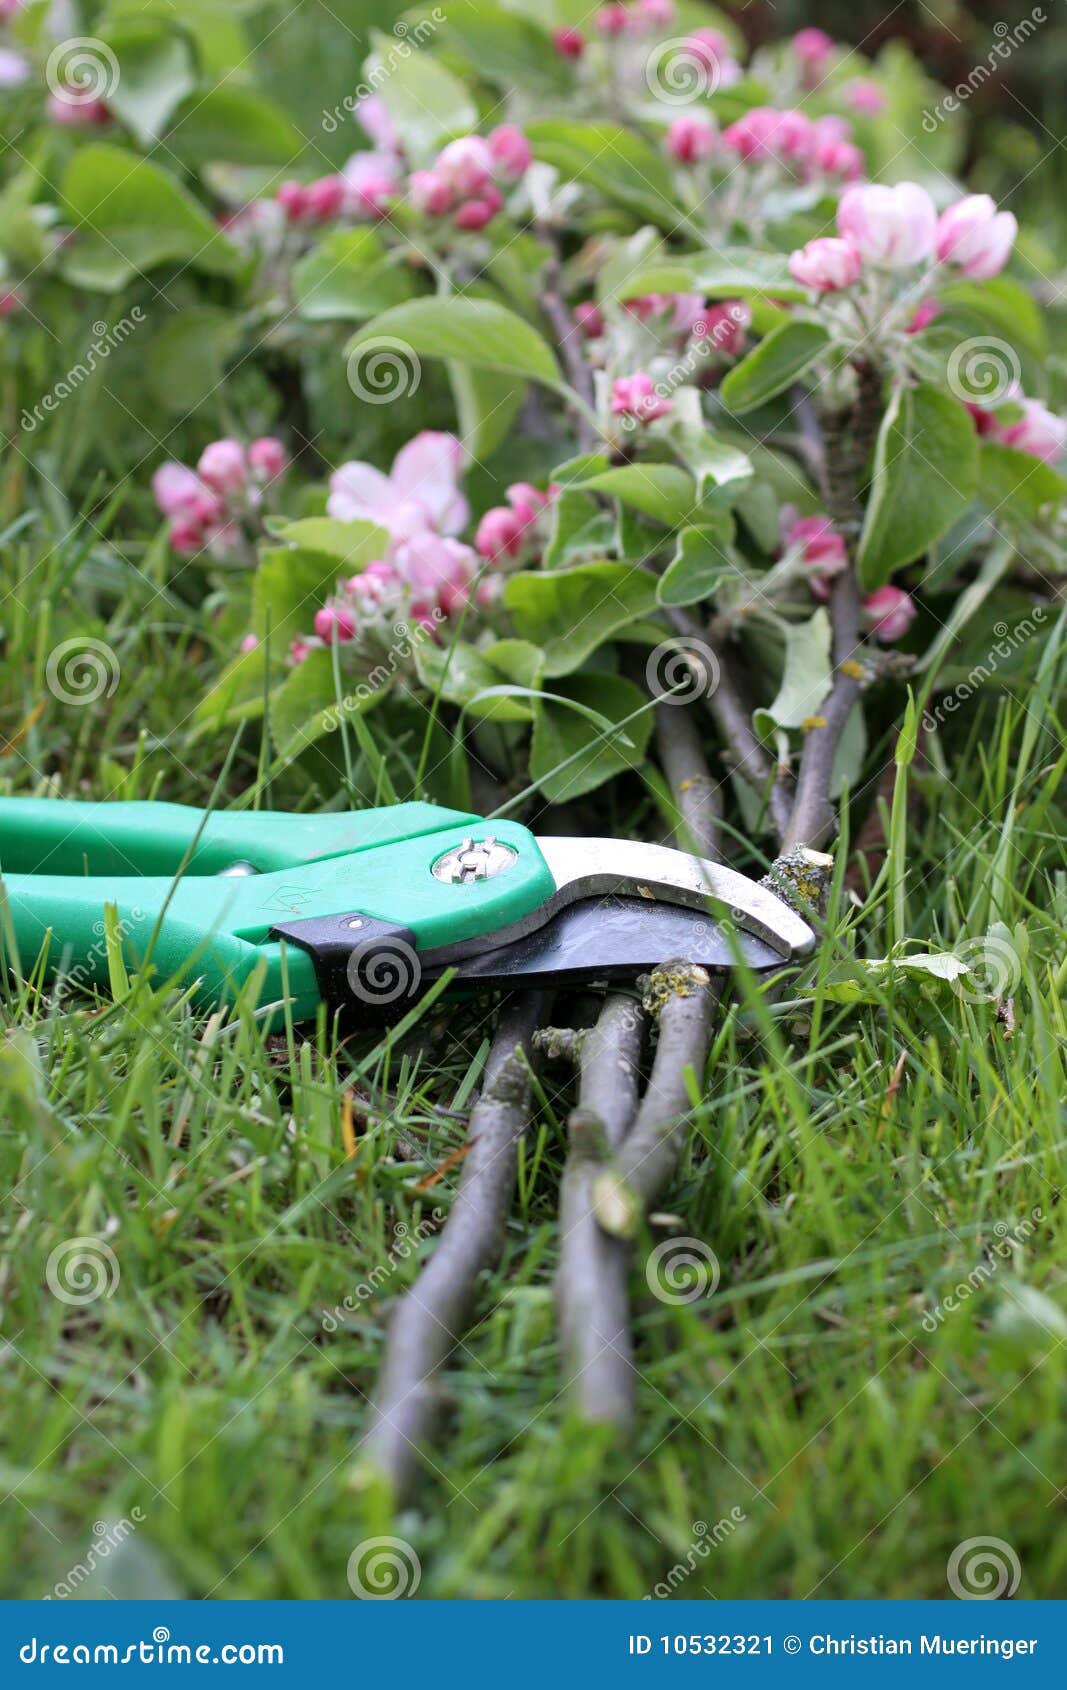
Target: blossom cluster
{"points": [[210, 507], [821, 552], [898, 228]]}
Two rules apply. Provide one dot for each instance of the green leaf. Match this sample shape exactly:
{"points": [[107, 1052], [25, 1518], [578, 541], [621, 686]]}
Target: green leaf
{"points": [[1004, 303], [487, 403], [700, 563], [504, 49], [773, 365], [726, 273], [305, 706], [130, 216], [351, 544], [661, 491], [710, 459], [925, 475], [350, 276], [1014, 483], [473, 331], [463, 674], [428, 105], [232, 125], [578, 736], [293, 581], [220, 40], [806, 676], [156, 72], [569, 612], [187, 359], [619, 163]]}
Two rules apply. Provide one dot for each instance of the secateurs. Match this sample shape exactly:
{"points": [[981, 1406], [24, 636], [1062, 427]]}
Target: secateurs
{"points": [[368, 907]]}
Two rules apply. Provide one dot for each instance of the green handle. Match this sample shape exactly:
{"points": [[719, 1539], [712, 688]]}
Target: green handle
{"points": [[214, 928]]}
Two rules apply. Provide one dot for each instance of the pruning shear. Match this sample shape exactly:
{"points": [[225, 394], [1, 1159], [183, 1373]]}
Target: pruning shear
{"points": [[368, 907]]}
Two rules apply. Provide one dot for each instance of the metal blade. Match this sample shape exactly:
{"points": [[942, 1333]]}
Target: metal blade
{"points": [[608, 940]]}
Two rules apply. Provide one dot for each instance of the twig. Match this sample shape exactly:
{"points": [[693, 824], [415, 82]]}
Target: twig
{"points": [[685, 998], [812, 818], [568, 339], [697, 795], [591, 1282], [430, 1318], [722, 695]]}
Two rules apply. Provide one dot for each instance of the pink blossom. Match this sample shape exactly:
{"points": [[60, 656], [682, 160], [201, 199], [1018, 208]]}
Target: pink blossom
{"points": [[976, 236], [894, 227], [889, 612], [831, 127], [371, 181], [68, 108], [635, 396], [710, 49], [292, 197], [658, 12], [985, 421], [611, 20], [766, 133], [826, 265], [10, 302], [569, 43], [814, 49], [1038, 431], [14, 69], [298, 651], [177, 489], [428, 564], [590, 319], [839, 158], [466, 165], [376, 582], [223, 466], [475, 214], [419, 493], [325, 199], [250, 642], [822, 548], [372, 115], [186, 537], [689, 139], [726, 326], [267, 458], [511, 150], [923, 317], [502, 531], [334, 622], [429, 192], [865, 96]]}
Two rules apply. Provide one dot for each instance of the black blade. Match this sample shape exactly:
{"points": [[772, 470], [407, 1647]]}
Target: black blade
{"points": [[609, 940]]}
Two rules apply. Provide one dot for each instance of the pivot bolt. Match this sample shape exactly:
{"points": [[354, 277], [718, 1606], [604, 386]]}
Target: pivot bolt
{"points": [[475, 859]]}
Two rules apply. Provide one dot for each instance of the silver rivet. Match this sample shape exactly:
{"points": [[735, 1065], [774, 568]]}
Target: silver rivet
{"points": [[475, 859]]}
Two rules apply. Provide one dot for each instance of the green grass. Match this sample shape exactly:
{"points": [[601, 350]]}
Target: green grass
{"points": [[849, 1447]]}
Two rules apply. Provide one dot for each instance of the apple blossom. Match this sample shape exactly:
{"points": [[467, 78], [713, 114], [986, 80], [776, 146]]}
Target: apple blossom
{"points": [[291, 196], [690, 138], [893, 227], [466, 165], [429, 192], [1038, 431], [865, 96], [569, 43], [511, 150], [419, 492], [176, 488], [977, 237], [325, 198], [476, 213], [10, 302], [726, 326], [839, 158], [635, 396], [821, 547], [267, 458], [14, 69], [334, 622], [814, 50], [889, 613], [612, 19], [764, 132], [924, 315], [826, 264], [590, 319], [501, 532], [186, 537], [73, 112], [223, 466], [371, 181]]}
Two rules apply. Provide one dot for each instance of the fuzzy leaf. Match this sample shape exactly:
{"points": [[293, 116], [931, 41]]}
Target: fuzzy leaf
{"points": [[472, 331], [569, 612], [925, 475], [773, 365]]}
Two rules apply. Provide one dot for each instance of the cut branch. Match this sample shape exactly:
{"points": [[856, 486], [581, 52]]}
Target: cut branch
{"points": [[591, 1281], [431, 1317], [685, 998], [697, 796], [812, 820]]}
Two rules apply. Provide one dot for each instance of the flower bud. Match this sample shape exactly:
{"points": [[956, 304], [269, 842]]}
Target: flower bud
{"points": [[466, 165], [689, 139], [889, 613], [814, 49], [1039, 431], [222, 466], [335, 623], [865, 96], [176, 489], [893, 227], [429, 192], [501, 532], [511, 151], [569, 43], [611, 20], [826, 264], [324, 199], [267, 458], [977, 237], [590, 319], [635, 396]]}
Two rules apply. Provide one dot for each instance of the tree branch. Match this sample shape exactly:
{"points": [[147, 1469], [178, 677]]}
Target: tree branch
{"points": [[697, 795], [569, 341], [812, 818], [591, 1297], [432, 1315]]}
